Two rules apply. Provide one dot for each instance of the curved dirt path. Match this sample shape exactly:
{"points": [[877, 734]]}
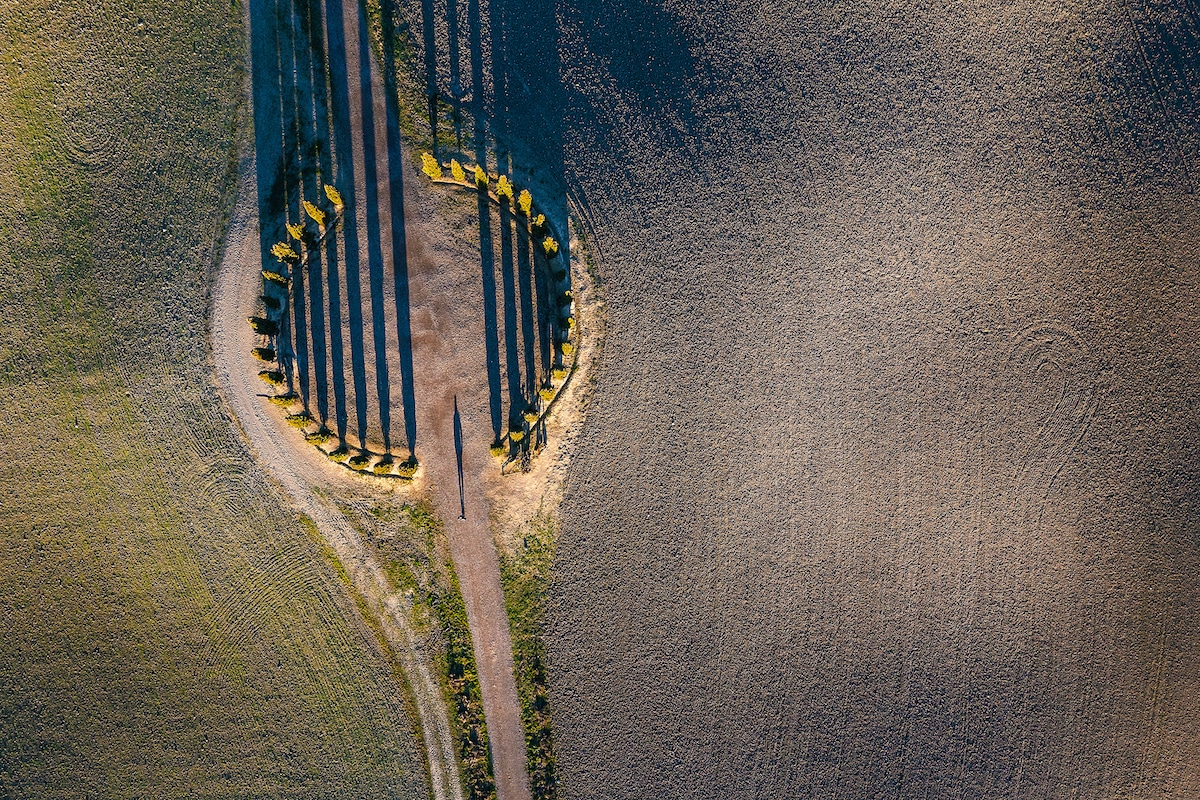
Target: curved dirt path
{"points": [[298, 469]]}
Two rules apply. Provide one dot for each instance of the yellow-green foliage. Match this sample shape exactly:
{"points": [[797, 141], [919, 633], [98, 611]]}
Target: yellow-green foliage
{"points": [[295, 230], [299, 420], [264, 353], [283, 251], [539, 221], [546, 394], [334, 196], [481, 177], [504, 188], [525, 201], [318, 216], [339, 455], [407, 469], [516, 436], [382, 467], [497, 449], [550, 246], [264, 326], [567, 348], [271, 376], [319, 437], [559, 373], [530, 416], [275, 277], [431, 167], [456, 170]]}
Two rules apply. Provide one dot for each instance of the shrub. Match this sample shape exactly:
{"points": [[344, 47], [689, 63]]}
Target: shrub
{"points": [[481, 177], [318, 216], [271, 303], [539, 223], [283, 251], [295, 230], [383, 466], [504, 188], [275, 278], [339, 455], [320, 437], [334, 196], [559, 373], [497, 449], [550, 246], [568, 323], [407, 468], [264, 353], [359, 461], [546, 394], [525, 202], [516, 435], [272, 376], [567, 348], [431, 167], [560, 274], [530, 416], [566, 298], [284, 399], [457, 171], [264, 327], [299, 420]]}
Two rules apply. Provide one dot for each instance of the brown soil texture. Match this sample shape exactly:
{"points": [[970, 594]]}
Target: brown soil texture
{"points": [[888, 488]]}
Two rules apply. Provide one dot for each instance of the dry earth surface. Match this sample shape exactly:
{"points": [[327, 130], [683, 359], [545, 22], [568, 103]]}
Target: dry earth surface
{"points": [[889, 484]]}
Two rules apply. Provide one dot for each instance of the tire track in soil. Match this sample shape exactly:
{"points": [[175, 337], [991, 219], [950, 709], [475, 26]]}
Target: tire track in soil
{"points": [[298, 468]]}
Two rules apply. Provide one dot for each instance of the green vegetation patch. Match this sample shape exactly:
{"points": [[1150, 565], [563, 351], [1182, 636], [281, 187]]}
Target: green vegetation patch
{"points": [[525, 575], [166, 628]]}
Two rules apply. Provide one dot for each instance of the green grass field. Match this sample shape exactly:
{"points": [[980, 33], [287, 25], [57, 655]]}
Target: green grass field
{"points": [[169, 629]]}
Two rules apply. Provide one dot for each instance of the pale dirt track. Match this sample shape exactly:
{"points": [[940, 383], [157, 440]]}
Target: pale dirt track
{"points": [[299, 470]]}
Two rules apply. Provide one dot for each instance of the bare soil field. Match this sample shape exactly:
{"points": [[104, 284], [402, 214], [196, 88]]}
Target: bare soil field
{"points": [[888, 488], [170, 628]]}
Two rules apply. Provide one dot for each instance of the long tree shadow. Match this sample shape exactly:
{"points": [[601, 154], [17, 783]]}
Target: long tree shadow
{"points": [[431, 86], [268, 146], [314, 142], [516, 394], [529, 323], [486, 248], [399, 237], [344, 160], [343, 172], [296, 335], [456, 90], [374, 246]]}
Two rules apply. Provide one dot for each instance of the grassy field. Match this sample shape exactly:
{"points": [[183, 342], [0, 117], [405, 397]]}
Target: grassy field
{"points": [[169, 628]]}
